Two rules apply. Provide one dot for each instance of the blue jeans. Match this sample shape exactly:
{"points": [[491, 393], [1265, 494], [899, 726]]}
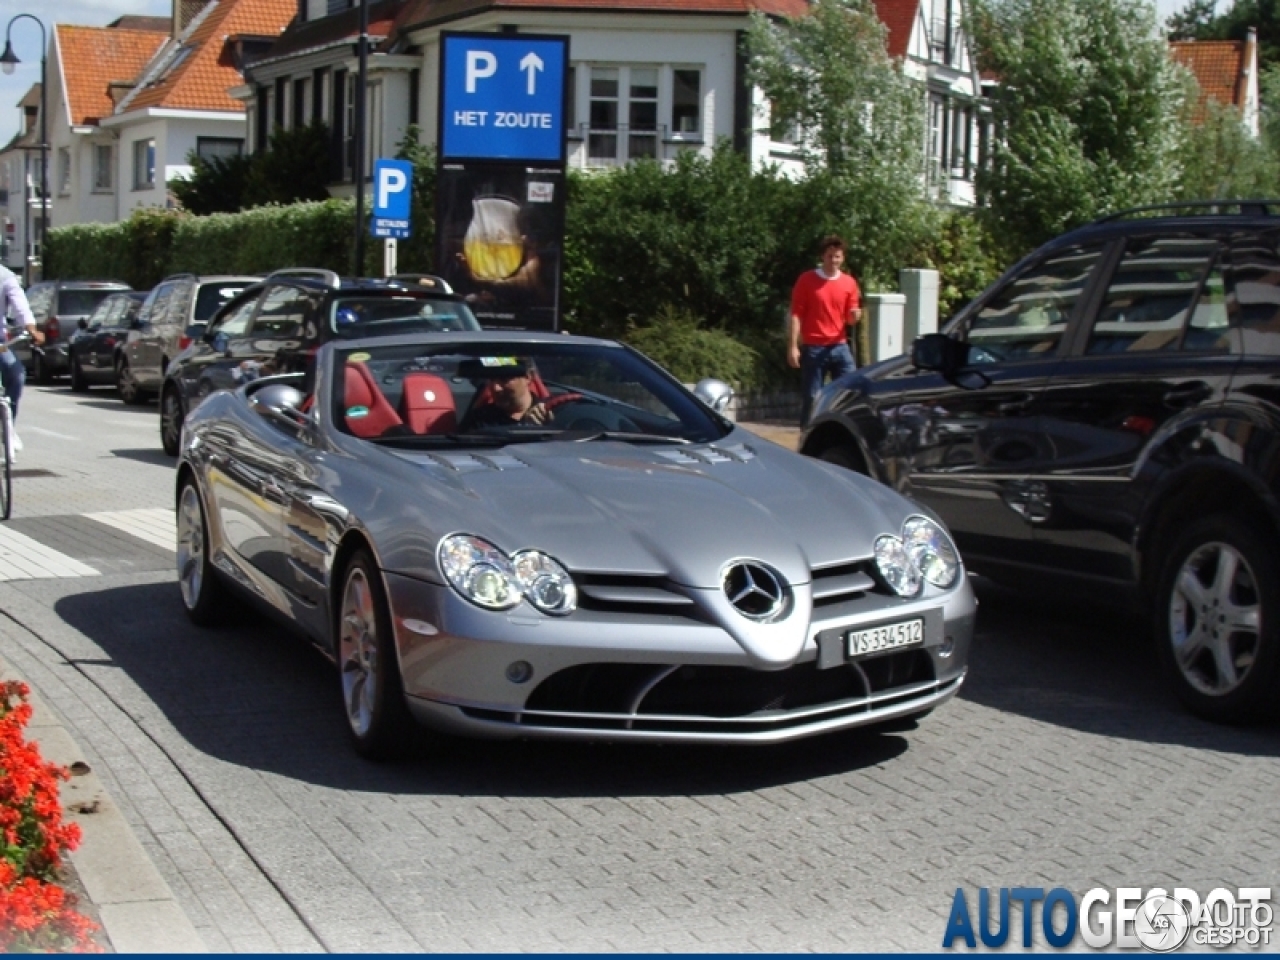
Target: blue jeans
{"points": [[815, 364], [13, 375]]}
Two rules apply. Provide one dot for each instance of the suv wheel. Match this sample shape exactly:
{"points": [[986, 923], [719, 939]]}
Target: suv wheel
{"points": [[1218, 620], [171, 418], [127, 384], [78, 382]]}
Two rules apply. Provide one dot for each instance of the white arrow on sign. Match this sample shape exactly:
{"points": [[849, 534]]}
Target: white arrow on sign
{"points": [[532, 63]]}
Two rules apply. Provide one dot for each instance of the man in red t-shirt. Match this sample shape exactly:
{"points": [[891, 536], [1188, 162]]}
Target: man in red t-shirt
{"points": [[824, 303]]}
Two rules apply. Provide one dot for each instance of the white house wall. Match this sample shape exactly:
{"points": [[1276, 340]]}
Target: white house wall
{"points": [[175, 139]]}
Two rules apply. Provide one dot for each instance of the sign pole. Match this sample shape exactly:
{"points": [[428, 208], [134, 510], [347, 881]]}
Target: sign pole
{"points": [[389, 257]]}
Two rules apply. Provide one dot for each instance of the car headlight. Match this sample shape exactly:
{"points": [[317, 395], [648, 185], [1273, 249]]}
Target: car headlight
{"points": [[545, 583], [894, 564], [931, 551], [479, 571]]}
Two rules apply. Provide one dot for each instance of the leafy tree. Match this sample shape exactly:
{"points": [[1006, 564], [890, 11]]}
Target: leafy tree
{"points": [[1219, 158], [294, 167], [216, 185], [828, 74], [1088, 113]]}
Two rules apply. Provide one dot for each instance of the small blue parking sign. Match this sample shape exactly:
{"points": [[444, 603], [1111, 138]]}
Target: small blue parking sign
{"points": [[502, 96], [392, 198]]}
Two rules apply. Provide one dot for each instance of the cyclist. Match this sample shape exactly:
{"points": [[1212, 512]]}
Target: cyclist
{"points": [[12, 373]]}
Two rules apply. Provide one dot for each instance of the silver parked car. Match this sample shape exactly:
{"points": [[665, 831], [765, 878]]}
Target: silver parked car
{"points": [[174, 311], [520, 535]]}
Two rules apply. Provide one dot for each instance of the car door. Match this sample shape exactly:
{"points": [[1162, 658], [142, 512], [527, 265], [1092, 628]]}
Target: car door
{"points": [[164, 329], [966, 446], [106, 328], [1152, 360], [140, 350]]}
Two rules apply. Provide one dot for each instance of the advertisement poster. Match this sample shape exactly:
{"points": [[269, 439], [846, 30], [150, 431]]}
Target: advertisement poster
{"points": [[499, 241]]}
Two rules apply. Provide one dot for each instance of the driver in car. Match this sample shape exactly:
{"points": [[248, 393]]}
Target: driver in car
{"points": [[513, 394]]}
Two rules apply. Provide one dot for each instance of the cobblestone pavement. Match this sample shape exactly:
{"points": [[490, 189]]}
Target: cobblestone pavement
{"points": [[1062, 763]]}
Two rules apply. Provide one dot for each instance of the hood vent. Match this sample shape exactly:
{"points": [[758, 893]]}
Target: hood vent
{"points": [[738, 453], [471, 462], [622, 593]]}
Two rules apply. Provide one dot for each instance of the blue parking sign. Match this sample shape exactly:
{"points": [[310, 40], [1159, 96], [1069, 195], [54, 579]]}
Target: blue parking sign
{"points": [[392, 198], [502, 96]]}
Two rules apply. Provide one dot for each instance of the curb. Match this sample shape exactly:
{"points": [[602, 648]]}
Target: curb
{"points": [[138, 911]]}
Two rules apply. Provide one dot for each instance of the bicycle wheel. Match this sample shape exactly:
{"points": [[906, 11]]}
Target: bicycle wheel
{"points": [[6, 481]]}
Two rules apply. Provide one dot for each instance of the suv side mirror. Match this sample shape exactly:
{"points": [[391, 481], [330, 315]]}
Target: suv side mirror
{"points": [[937, 351]]}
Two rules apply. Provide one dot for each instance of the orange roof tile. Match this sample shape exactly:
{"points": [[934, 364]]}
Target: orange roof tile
{"points": [[421, 12], [1217, 65], [92, 57], [899, 16], [200, 79]]}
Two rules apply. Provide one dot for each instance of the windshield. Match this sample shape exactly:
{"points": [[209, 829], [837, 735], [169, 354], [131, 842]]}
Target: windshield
{"points": [[491, 394], [359, 316], [80, 303], [213, 296]]}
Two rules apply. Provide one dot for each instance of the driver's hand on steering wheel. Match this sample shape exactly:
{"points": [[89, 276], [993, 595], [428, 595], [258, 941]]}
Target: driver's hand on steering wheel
{"points": [[538, 413]]}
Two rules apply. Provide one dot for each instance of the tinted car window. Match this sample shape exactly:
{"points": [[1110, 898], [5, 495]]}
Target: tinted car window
{"points": [[1253, 302], [212, 297], [180, 303], [358, 316], [1150, 296], [236, 322], [159, 303], [284, 311], [1029, 316], [80, 303]]}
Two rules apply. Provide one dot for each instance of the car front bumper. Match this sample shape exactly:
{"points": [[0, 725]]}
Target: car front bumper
{"points": [[520, 674]]}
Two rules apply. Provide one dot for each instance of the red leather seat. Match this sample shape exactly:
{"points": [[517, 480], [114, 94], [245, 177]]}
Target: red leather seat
{"points": [[361, 392], [427, 404]]}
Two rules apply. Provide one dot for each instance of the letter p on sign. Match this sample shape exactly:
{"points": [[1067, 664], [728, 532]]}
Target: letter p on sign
{"points": [[390, 180], [480, 64]]}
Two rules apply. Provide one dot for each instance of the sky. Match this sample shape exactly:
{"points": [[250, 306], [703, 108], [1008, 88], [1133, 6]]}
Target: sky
{"points": [[96, 13]]}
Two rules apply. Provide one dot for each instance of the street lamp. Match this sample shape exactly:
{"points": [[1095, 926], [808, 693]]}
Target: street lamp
{"points": [[9, 60]]}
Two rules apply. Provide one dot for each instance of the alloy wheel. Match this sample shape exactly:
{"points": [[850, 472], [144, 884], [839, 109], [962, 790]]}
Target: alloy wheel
{"points": [[1215, 619], [358, 651], [191, 546]]}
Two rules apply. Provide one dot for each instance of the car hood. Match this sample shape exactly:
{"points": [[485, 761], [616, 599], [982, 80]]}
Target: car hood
{"points": [[680, 512]]}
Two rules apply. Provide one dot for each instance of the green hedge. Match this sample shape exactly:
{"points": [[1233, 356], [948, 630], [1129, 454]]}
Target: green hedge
{"points": [[152, 244]]}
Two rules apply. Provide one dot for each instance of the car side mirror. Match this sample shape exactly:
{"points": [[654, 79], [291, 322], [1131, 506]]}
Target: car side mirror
{"points": [[937, 351], [82, 323], [716, 394]]}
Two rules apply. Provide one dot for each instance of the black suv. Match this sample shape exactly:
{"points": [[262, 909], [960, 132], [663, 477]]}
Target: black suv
{"points": [[277, 325], [1107, 416], [58, 306]]}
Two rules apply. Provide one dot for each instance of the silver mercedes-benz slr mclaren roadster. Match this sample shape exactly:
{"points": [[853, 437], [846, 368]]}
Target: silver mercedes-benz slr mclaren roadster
{"points": [[536, 535]]}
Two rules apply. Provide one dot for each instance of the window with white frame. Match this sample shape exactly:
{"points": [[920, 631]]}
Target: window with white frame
{"points": [[103, 168], [624, 104], [937, 142], [64, 171], [144, 164]]}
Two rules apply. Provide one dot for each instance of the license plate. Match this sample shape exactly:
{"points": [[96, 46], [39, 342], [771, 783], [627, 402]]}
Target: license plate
{"points": [[887, 637]]}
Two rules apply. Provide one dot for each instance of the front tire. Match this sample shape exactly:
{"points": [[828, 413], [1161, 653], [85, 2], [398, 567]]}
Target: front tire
{"points": [[203, 595], [78, 382], [368, 666], [127, 385], [1217, 617], [844, 456], [171, 417]]}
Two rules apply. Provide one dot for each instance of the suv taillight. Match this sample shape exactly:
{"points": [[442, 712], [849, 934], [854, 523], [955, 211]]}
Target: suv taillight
{"points": [[52, 329]]}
